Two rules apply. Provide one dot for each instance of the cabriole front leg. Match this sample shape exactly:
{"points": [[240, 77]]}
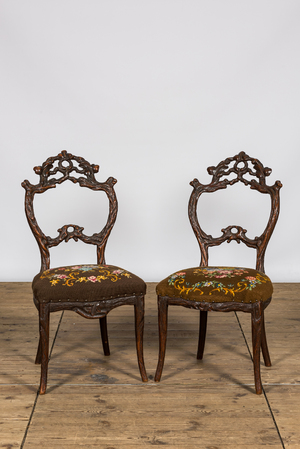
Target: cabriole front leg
{"points": [[44, 319], [139, 335], [38, 358], [257, 320], [162, 331]]}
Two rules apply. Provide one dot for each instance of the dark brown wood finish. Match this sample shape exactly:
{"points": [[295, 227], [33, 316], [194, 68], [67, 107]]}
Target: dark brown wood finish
{"points": [[241, 165], [54, 171], [77, 170], [251, 172]]}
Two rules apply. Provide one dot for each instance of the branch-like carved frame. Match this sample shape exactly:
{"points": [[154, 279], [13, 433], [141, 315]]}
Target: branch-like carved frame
{"points": [[239, 165], [251, 172], [54, 171]]}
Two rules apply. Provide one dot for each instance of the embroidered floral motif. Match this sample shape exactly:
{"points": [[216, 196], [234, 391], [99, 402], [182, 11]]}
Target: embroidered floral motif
{"points": [[72, 275], [209, 285], [174, 276], [227, 272], [252, 282]]}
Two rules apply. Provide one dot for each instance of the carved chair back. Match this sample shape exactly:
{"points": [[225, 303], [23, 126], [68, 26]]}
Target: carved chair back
{"points": [[56, 170], [251, 172]]}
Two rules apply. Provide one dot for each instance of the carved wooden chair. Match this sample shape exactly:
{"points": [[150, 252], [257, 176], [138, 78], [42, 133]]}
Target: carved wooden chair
{"points": [[224, 288], [90, 290]]}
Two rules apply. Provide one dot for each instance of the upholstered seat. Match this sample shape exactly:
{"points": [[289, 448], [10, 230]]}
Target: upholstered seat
{"points": [[216, 288], [217, 284], [90, 290], [86, 283]]}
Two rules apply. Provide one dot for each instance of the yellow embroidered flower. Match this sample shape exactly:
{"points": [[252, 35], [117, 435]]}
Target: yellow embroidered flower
{"points": [[54, 281], [82, 279]]}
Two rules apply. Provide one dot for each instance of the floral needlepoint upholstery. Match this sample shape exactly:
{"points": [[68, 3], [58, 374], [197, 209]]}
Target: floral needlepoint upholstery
{"points": [[86, 283], [217, 284]]}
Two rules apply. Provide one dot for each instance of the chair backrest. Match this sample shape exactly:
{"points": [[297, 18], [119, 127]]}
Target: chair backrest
{"points": [[56, 170], [240, 165]]}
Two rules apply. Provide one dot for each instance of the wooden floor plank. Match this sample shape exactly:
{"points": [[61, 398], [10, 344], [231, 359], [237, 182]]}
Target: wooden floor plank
{"points": [[285, 403], [19, 334], [176, 416], [16, 405], [97, 401], [283, 336]]}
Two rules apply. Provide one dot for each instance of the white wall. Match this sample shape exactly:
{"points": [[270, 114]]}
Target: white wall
{"points": [[154, 91]]}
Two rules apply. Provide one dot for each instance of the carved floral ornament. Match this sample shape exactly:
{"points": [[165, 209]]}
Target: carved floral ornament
{"points": [[69, 167], [65, 163], [240, 165]]}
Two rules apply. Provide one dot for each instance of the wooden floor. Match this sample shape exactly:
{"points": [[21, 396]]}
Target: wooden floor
{"points": [[99, 402]]}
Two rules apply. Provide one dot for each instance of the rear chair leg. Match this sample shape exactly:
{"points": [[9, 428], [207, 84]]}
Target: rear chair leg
{"points": [[104, 335], [202, 334], [264, 345]]}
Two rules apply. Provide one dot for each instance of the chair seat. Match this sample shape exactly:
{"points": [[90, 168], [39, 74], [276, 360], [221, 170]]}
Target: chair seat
{"points": [[217, 284], [85, 283]]}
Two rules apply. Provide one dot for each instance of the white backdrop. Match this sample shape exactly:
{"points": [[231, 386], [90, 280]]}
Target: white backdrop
{"points": [[154, 92]]}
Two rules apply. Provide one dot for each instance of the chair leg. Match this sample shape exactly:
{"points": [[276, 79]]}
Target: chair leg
{"points": [[162, 330], [139, 334], [256, 316], [44, 320], [264, 345], [38, 358], [104, 335], [202, 334]]}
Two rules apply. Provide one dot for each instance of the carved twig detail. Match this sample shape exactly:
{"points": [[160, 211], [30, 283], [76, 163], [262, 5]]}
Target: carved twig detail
{"points": [[243, 167], [54, 171], [228, 306]]}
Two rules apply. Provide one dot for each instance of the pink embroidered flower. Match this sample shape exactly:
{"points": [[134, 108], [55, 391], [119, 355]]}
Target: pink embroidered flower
{"points": [[61, 276], [251, 278], [181, 273], [240, 272], [92, 279], [117, 271]]}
